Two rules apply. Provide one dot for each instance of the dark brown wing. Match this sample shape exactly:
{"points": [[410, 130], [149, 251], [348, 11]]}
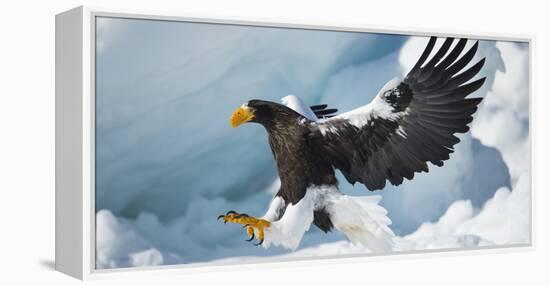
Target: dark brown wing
{"points": [[409, 123]]}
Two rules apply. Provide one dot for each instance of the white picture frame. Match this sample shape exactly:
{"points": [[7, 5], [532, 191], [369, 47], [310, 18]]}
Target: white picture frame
{"points": [[75, 204]]}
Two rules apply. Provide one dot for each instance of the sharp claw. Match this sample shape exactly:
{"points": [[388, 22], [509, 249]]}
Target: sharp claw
{"points": [[231, 212], [259, 243], [220, 216], [251, 237], [244, 226]]}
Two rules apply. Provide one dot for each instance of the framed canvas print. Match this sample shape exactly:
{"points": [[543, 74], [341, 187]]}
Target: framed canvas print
{"points": [[185, 143]]}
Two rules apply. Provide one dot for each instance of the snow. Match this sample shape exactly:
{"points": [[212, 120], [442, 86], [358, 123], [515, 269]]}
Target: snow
{"points": [[504, 220], [503, 120], [149, 257], [119, 244]]}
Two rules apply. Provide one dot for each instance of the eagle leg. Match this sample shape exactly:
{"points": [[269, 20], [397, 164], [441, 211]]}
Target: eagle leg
{"points": [[254, 226]]}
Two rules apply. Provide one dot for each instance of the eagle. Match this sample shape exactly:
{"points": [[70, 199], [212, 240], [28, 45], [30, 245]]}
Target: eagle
{"points": [[410, 122]]}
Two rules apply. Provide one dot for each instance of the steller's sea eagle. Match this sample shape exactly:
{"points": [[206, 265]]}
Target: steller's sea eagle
{"points": [[409, 123]]}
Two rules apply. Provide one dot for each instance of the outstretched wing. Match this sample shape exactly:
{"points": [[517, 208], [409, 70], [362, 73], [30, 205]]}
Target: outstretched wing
{"points": [[409, 123]]}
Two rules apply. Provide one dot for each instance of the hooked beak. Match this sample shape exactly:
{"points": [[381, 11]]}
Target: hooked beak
{"points": [[242, 115]]}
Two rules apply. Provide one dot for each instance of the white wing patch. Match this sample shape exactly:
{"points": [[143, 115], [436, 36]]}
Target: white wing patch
{"points": [[364, 115], [295, 103], [377, 108], [359, 117]]}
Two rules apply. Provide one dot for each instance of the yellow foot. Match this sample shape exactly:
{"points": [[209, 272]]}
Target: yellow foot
{"points": [[253, 225]]}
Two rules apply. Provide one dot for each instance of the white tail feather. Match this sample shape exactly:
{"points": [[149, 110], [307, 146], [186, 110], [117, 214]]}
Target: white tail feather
{"points": [[363, 221]]}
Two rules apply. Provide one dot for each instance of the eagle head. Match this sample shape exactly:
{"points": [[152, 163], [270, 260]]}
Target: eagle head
{"points": [[260, 111]]}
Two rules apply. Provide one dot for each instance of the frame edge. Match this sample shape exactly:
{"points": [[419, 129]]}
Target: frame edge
{"points": [[69, 244]]}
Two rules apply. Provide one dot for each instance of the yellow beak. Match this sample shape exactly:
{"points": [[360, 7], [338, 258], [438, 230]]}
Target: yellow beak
{"points": [[242, 115]]}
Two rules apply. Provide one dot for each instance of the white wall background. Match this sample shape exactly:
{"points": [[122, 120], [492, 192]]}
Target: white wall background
{"points": [[27, 146]]}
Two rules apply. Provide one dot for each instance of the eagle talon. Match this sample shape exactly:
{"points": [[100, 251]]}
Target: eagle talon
{"points": [[252, 225], [251, 237], [259, 243]]}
